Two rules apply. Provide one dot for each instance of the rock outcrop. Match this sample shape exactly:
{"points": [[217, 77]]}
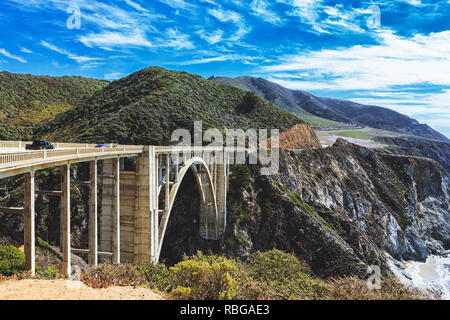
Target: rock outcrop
{"points": [[340, 209]]}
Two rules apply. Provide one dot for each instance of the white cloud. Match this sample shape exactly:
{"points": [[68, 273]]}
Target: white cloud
{"points": [[112, 39], [307, 11], [110, 26], [112, 76], [416, 3], [79, 59], [261, 9], [211, 37], [25, 50], [136, 6], [394, 61], [229, 16], [318, 18], [11, 56], [219, 58], [177, 40], [177, 4], [420, 61]]}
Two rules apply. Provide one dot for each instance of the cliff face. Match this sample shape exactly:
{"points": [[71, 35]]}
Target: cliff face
{"points": [[300, 136], [340, 209], [436, 150]]}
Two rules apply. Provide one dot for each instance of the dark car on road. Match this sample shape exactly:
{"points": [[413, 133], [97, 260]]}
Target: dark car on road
{"points": [[39, 145]]}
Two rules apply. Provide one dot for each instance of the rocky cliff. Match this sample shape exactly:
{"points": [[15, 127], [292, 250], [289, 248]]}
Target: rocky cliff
{"points": [[339, 209], [420, 147]]}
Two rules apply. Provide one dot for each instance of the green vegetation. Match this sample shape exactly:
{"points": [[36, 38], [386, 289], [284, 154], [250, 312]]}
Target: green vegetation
{"points": [[147, 106], [205, 278], [265, 275], [364, 133], [239, 214], [27, 100], [240, 180], [284, 273], [240, 177], [272, 274], [12, 261], [358, 134], [106, 275], [391, 289], [321, 122], [157, 276]]}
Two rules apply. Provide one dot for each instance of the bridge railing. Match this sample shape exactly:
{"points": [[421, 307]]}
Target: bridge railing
{"points": [[13, 159], [164, 149], [22, 145]]}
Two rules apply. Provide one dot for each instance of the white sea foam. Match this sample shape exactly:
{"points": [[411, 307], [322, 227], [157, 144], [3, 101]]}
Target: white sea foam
{"points": [[432, 274]]}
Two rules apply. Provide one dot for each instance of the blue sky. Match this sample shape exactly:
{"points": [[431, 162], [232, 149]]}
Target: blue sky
{"points": [[394, 54]]}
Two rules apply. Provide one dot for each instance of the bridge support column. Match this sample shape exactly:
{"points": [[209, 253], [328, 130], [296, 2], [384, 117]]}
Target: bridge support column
{"points": [[65, 212], [106, 223], [116, 216], [110, 217], [146, 214], [154, 205], [221, 196], [93, 211], [29, 228]]}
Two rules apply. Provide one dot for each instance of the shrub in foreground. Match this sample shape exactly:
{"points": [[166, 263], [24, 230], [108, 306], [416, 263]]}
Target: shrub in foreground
{"points": [[106, 275], [352, 288], [204, 278], [12, 261], [284, 273], [157, 276]]}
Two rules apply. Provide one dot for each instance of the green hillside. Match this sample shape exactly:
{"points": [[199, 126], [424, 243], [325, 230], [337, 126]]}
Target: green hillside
{"points": [[27, 100], [147, 106]]}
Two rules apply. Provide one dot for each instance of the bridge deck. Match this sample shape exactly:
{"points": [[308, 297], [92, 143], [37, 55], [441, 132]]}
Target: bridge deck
{"points": [[14, 159], [19, 162]]}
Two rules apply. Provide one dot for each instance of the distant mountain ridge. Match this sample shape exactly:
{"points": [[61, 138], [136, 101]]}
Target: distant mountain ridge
{"points": [[148, 105], [303, 103]]}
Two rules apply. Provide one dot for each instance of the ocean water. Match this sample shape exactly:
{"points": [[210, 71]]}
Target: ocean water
{"points": [[432, 274]]}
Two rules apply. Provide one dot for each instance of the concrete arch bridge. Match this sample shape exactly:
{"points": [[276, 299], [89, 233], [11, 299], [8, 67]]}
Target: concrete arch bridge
{"points": [[136, 205]]}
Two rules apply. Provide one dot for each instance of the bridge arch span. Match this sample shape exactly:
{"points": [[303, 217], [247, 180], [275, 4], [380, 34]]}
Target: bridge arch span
{"points": [[209, 213]]}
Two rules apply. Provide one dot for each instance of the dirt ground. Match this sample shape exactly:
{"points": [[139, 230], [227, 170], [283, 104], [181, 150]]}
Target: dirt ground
{"points": [[69, 290]]}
